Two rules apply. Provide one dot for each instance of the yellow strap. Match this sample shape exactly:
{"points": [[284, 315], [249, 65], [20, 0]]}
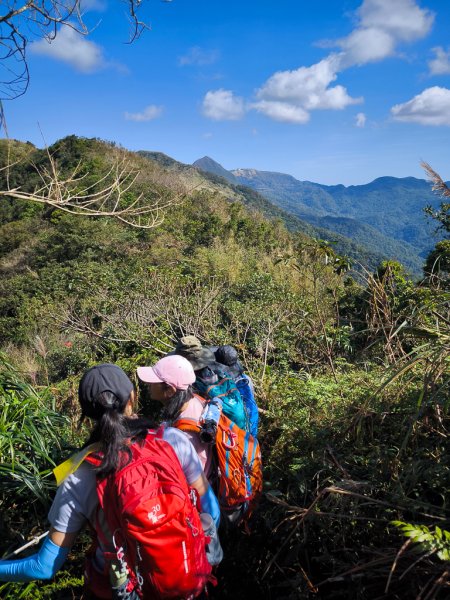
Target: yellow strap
{"points": [[70, 465]]}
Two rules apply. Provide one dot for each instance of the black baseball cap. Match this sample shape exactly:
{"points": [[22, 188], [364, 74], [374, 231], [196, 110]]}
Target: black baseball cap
{"points": [[99, 379]]}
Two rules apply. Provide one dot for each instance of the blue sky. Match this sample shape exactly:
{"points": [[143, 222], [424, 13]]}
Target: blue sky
{"points": [[326, 90]]}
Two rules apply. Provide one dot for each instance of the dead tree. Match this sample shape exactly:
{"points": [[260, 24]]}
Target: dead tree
{"points": [[156, 316]]}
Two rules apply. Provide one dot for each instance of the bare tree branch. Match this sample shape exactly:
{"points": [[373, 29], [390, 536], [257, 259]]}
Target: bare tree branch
{"points": [[112, 195], [161, 312], [25, 21]]}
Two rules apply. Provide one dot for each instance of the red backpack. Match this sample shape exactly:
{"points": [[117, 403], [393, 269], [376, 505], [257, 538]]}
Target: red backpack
{"points": [[148, 517]]}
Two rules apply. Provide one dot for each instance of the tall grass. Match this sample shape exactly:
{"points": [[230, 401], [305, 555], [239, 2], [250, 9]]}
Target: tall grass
{"points": [[30, 437]]}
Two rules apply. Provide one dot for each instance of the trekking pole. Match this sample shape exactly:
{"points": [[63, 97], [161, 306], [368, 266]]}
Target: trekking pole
{"points": [[33, 542]]}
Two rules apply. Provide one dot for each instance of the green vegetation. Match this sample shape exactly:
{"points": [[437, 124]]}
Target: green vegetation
{"points": [[363, 251], [385, 216], [351, 375], [30, 431]]}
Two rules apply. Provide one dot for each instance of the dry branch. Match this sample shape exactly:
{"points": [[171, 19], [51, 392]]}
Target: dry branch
{"points": [[24, 21], [112, 195], [155, 317]]}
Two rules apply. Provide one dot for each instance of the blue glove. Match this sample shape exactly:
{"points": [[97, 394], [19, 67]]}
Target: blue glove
{"points": [[42, 565], [210, 505]]}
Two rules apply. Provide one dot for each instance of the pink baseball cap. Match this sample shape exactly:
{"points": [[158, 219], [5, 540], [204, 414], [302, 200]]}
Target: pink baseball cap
{"points": [[174, 370]]}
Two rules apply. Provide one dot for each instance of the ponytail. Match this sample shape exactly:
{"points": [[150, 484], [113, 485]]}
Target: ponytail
{"points": [[114, 431]]}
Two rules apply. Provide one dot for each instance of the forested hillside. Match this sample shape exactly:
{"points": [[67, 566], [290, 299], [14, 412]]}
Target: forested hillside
{"points": [[351, 375], [365, 256], [386, 213]]}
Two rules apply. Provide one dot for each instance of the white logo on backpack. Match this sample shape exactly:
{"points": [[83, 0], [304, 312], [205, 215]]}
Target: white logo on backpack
{"points": [[153, 514]]}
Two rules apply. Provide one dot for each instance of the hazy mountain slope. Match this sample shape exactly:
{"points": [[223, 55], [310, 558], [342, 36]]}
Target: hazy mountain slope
{"points": [[370, 257], [374, 241], [202, 179], [385, 215], [302, 198], [391, 205]]}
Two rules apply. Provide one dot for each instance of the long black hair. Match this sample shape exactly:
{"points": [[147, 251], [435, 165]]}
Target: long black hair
{"points": [[114, 431], [172, 409]]}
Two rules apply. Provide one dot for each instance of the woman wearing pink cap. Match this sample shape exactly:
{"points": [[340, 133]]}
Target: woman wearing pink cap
{"points": [[170, 382]]}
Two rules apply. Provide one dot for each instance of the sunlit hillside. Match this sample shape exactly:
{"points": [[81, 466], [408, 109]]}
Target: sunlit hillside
{"points": [[112, 256]]}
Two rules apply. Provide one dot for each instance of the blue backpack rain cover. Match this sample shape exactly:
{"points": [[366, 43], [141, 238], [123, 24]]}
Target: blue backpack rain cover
{"points": [[225, 390], [251, 408]]}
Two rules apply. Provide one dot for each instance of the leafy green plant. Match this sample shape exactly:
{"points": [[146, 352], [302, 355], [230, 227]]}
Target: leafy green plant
{"points": [[432, 542], [429, 358], [63, 587], [30, 436]]}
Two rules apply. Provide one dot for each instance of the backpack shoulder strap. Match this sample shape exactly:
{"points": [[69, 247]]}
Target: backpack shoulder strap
{"points": [[191, 424], [94, 459], [158, 433], [201, 399], [187, 424]]}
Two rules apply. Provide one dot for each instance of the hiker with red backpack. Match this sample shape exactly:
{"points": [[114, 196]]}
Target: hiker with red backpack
{"points": [[134, 486]]}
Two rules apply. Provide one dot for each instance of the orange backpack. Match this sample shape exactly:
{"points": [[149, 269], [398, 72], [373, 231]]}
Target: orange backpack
{"points": [[239, 464], [240, 467]]}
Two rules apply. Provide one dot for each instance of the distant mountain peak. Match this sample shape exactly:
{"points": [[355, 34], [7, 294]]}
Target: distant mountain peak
{"points": [[206, 160], [209, 165]]}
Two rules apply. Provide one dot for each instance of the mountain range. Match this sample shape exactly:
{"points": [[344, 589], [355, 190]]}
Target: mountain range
{"points": [[385, 216], [233, 191]]}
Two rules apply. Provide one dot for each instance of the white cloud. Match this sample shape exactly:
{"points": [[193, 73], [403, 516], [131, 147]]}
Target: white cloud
{"points": [[360, 120], [403, 19], [148, 114], [307, 86], [366, 45], [431, 107], [290, 95], [440, 65], [382, 25], [223, 105], [71, 47], [282, 111], [199, 57]]}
